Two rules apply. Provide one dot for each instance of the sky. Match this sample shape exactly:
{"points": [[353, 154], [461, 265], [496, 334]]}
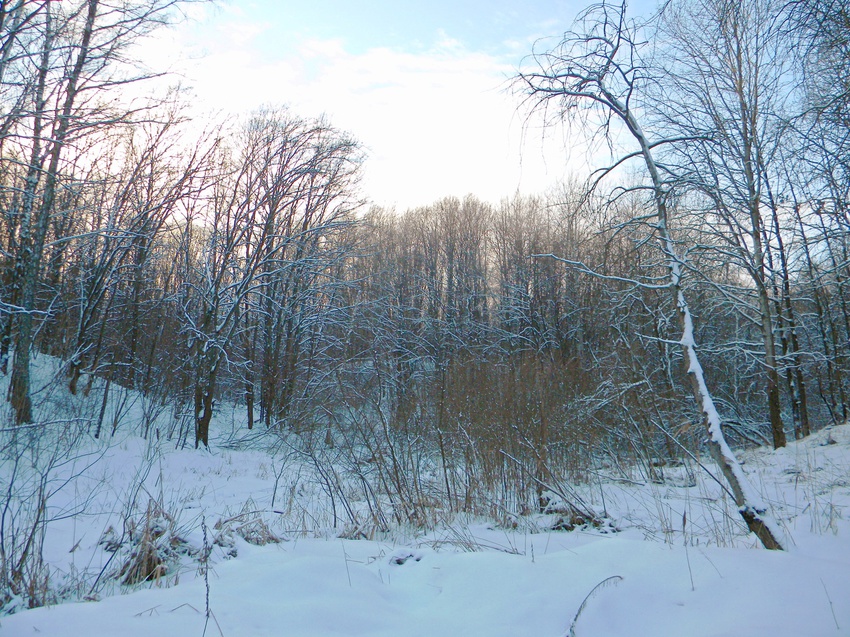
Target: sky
{"points": [[424, 86]]}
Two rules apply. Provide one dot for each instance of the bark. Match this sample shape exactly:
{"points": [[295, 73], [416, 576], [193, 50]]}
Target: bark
{"points": [[29, 257], [203, 413]]}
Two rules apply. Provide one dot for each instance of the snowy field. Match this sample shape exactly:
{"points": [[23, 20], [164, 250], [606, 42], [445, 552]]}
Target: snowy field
{"points": [[250, 546]]}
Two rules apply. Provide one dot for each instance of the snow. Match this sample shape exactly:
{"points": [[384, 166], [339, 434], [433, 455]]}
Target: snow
{"points": [[321, 587], [688, 565]]}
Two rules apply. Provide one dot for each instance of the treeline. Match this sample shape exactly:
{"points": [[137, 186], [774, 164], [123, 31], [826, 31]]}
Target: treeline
{"points": [[241, 263]]}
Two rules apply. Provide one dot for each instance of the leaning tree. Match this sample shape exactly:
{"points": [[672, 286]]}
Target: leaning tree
{"points": [[596, 74]]}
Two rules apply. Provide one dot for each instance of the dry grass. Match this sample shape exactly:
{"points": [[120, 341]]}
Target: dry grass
{"points": [[153, 539]]}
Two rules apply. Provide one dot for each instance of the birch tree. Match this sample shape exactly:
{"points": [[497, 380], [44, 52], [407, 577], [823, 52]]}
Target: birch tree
{"points": [[76, 56]]}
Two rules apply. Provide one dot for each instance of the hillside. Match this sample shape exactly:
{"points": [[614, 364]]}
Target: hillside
{"points": [[667, 557]]}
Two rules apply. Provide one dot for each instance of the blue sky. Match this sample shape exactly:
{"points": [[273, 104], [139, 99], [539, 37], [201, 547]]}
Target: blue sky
{"points": [[496, 27], [422, 85]]}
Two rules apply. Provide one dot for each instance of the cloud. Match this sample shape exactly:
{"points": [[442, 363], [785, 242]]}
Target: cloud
{"points": [[435, 122]]}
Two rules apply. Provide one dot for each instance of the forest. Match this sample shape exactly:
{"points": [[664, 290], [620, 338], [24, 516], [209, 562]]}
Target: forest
{"points": [[689, 294]]}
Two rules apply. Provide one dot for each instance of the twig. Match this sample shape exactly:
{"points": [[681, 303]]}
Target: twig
{"points": [[603, 583], [695, 459], [831, 607], [581, 508], [345, 555], [206, 567], [685, 542], [217, 625]]}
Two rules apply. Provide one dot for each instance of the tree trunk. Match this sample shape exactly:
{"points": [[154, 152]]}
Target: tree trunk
{"points": [[33, 250], [752, 509], [203, 414]]}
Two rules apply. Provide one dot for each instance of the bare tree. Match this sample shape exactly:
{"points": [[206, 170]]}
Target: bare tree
{"points": [[80, 58], [99, 261], [265, 231], [597, 71], [727, 88]]}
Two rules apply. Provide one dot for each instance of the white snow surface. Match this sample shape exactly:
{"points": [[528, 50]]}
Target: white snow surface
{"points": [[687, 564], [303, 588]]}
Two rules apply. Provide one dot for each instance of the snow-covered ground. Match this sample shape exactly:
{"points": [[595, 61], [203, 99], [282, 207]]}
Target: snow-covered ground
{"points": [[673, 559]]}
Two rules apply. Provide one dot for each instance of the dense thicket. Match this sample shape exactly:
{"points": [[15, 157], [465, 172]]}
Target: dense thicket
{"points": [[516, 340]]}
